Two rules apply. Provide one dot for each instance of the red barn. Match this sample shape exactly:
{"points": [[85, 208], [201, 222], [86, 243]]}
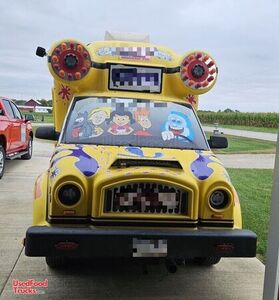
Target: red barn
{"points": [[32, 103]]}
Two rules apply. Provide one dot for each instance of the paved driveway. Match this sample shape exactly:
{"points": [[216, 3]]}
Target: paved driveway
{"points": [[248, 161], [245, 133]]}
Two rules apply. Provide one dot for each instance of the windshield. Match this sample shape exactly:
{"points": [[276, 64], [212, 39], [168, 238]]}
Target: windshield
{"points": [[133, 122]]}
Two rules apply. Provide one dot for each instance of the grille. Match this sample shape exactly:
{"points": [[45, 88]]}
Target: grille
{"points": [[148, 198]]}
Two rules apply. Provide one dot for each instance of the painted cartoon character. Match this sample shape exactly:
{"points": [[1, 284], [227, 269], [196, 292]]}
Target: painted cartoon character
{"points": [[97, 116], [82, 127], [121, 121], [178, 126], [141, 116]]}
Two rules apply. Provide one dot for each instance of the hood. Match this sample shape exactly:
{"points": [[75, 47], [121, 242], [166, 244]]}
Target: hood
{"points": [[91, 161]]}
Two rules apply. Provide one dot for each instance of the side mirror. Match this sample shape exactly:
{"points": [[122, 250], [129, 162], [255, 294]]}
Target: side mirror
{"points": [[47, 133], [2, 113], [40, 51], [218, 142], [28, 117]]}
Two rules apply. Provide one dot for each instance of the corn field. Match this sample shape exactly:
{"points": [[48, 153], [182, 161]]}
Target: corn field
{"points": [[270, 120]]}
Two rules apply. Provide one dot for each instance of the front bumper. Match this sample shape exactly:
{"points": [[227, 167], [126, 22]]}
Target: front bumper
{"points": [[107, 242]]}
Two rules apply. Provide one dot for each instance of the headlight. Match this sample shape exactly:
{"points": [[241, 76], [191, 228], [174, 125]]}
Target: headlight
{"points": [[69, 194], [198, 71], [219, 199], [69, 60]]}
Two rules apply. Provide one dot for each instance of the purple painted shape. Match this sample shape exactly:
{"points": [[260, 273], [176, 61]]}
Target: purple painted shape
{"points": [[55, 160], [135, 150], [85, 164], [55, 172], [200, 167], [138, 151]]}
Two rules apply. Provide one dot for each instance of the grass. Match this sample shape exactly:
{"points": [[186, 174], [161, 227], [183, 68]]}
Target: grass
{"points": [[248, 128], [40, 117], [254, 190], [244, 145], [247, 145]]}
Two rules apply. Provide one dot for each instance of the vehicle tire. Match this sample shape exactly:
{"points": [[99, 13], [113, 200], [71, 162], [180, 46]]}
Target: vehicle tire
{"points": [[28, 155], [2, 161], [56, 262], [207, 261]]}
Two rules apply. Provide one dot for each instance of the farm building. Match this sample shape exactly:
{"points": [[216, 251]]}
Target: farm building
{"points": [[32, 103]]}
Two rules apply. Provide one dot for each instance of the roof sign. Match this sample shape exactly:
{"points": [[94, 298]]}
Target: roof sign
{"points": [[134, 52]]}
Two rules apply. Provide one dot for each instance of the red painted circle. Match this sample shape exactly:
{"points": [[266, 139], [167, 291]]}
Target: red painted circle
{"points": [[192, 64], [210, 70], [83, 61], [79, 64]]}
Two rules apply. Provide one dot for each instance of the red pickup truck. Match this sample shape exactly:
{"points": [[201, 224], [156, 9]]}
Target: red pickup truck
{"points": [[16, 135]]}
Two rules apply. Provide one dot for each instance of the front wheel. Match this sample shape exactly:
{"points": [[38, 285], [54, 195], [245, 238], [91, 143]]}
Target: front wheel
{"points": [[207, 261], [56, 262], [2, 161], [28, 155]]}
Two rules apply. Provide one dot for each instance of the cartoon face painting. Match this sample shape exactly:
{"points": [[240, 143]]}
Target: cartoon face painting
{"points": [[121, 121], [177, 126], [141, 116], [97, 117], [82, 127]]}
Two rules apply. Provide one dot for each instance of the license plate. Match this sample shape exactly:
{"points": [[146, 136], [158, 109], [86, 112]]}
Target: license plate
{"points": [[149, 248]]}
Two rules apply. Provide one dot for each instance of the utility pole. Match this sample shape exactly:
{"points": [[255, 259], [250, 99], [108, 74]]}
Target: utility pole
{"points": [[272, 263]]}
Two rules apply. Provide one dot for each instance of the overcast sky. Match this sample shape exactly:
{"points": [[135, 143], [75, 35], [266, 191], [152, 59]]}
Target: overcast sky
{"points": [[241, 35]]}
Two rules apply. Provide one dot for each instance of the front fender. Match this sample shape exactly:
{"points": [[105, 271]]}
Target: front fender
{"points": [[40, 200], [237, 211]]}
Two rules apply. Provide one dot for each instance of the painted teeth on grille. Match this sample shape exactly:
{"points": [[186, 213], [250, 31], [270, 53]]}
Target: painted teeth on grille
{"points": [[146, 197]]}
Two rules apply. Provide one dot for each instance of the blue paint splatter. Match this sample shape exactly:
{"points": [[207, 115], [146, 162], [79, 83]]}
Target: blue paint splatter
{"points": [[138, 151], [200, 167], [86, 164], [158, 155], [135, 150]]}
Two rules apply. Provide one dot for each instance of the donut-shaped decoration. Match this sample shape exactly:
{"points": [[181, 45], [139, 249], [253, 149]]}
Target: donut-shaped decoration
{"points": [[198, 71], [70, 61]]}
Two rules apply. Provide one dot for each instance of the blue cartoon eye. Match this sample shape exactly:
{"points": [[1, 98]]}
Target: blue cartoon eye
{"points": [[178, 122]]}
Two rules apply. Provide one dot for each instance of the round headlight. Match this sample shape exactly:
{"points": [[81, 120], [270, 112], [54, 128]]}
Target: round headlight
{"points": [[198, 71], [71, 61], [219, 199], [69, 194]]}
